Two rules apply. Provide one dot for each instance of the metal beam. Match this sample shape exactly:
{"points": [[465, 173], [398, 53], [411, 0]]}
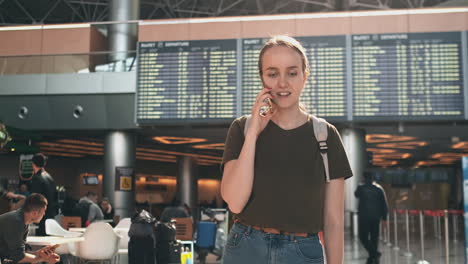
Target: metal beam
{"points": [[366, 5], [74, 10], [93, 17], [50, 11], [25, 11], [179, 3], [260, 8], [220, 7], [312, 2], [278, 7], [195, 12], [170, 9], [160, 5], [230, 6], [85, 11], [193, 7], [88, 3], [152, 13], [103, 14]]}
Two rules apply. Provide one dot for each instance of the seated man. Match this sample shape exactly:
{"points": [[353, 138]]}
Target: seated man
{"points": [[90, 211], [14, 230]]}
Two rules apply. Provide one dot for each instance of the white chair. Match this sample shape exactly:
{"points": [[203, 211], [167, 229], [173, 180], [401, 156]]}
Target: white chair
{"points": [[124, 223], [53, 228], [122, 229], [101, 244]]}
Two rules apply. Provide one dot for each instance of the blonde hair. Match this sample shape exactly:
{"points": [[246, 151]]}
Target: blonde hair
{"points": [[285, 41]]}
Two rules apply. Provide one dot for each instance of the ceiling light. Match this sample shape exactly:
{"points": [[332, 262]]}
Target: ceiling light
{"points": [[382, 138], [178, 140], [403, 145], [381, 150], [217, 146], [392, 156], [80, 142], [53, 153], [461, 145]]}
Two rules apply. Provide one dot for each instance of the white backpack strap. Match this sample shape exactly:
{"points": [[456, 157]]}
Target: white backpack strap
{"points": [[247, 124], [321, 134]]}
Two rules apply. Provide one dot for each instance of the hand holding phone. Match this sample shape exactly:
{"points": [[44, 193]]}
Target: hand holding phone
{"points": [[265, 108], [47, 251]]}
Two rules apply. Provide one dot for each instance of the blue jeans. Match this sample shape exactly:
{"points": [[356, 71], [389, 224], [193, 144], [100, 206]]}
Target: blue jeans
{"points": [[249, 246]]}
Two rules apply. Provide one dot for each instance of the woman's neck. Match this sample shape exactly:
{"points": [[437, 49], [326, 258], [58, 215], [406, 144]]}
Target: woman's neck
{"points": [[290, 118]]}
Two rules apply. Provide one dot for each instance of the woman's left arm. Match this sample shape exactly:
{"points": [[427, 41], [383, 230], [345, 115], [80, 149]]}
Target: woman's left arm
{"points": [[333, 233]]}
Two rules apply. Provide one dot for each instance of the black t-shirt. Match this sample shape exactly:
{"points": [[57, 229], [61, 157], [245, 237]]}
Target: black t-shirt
{"points": [[289, 176], [44, 184]]}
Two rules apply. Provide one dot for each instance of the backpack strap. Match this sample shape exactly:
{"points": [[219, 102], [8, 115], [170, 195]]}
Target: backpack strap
{"points": [[321, 134]]}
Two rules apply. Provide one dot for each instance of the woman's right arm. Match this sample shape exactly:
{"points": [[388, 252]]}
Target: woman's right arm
{"points": [[238, 174]]}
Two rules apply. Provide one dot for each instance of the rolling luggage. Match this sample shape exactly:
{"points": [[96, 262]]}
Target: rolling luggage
{"points": [[141, 246]]}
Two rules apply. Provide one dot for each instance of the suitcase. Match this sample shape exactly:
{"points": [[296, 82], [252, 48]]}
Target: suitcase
{"points": [[168, 252], [206, 237], [141, 250]]}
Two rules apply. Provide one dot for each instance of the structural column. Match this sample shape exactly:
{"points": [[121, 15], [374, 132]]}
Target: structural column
{"points": [[187, 185], [354, 142], [123, 37], [119, 171]]}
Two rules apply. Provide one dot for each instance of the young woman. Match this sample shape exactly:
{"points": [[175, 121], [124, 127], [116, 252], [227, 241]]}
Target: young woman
{"points": [[273, 174]]}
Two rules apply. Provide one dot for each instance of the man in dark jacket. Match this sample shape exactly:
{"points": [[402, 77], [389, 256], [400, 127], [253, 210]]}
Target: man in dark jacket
{"points": [[44, 184], [14, 230], [372, 209]]}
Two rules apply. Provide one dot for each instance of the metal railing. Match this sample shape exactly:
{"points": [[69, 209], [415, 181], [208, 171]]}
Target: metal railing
{"points": [[405, 221]]}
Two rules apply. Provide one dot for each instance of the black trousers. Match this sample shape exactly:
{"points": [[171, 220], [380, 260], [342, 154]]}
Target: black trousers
{"points": [[369, 235]]}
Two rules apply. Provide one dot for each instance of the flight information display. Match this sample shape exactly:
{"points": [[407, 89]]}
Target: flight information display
{"points": [[325, 92], [251, 83], [367, 77], [189, 80], [413, 76]]}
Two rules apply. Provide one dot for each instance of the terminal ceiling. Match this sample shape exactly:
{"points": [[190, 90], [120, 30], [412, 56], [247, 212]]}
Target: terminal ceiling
{"points": [[17, 12]]}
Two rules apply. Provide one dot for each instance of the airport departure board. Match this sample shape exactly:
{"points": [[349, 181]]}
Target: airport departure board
{"points": [[415, 76], [186, 80], [325, 92], [251, 83], [390, 77]]}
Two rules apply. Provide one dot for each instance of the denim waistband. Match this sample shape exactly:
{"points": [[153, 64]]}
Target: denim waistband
{"points": [[245, 228]]}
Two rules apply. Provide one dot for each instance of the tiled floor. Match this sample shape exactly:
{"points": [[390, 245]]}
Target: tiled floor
{"points": [[434, 251]]}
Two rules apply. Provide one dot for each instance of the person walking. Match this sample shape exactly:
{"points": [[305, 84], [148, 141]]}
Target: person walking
{"points": [[44, 184], [372, 210]]}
